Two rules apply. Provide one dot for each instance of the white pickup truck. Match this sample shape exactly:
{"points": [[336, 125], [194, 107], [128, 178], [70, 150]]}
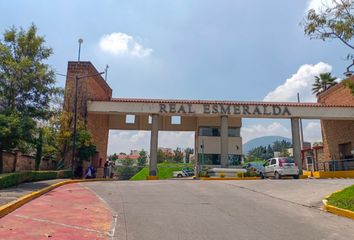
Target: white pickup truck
{"points": [[183, 173]]}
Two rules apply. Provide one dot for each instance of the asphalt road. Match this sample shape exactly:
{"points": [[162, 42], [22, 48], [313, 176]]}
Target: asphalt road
{"points": [[188, 209]]}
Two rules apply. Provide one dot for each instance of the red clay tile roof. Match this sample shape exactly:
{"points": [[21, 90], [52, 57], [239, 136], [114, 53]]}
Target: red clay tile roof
{"points": [[122, 156], [226, 102]]}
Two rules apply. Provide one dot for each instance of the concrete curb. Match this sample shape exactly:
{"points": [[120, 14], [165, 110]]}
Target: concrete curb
{"points": [[229, 178], [12, 206], [336, 210]]}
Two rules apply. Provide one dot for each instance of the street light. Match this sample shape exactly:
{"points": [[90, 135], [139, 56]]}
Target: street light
{"points": [[77, 78], [80, 42], [349, 73]]}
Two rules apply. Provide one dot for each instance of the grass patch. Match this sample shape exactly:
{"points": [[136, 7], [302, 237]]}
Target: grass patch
{"points": [[165, 170], [343, 199]]}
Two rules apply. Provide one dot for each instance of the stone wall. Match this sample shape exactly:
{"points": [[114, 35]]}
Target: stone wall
{"points": [[23, 162], [335, 132]]}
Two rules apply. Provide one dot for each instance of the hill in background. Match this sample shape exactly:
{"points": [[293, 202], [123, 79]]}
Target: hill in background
{"points": [[262, 141]]}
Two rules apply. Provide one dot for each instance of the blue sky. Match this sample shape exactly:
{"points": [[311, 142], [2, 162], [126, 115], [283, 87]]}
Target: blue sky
{"points": [[196, 49]]}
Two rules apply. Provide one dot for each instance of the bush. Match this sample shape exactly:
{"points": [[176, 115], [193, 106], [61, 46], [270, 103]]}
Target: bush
{"points": [[65, 174], [222, 175], [247, 174], [13, 179], [127, 172], [240, 174], [203, 173], [9, 180], [42, 175]]}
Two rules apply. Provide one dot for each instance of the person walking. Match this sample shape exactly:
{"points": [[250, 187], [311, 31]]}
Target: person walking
{"points": [[91, 173], [106, 169]]}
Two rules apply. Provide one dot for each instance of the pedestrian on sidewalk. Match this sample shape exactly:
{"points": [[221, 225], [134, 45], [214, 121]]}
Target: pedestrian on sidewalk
{"points": [[106, 169], [91, 173]]}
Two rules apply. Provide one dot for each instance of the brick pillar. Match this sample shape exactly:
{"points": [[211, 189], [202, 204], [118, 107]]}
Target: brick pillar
{"points": [[91, 86]]}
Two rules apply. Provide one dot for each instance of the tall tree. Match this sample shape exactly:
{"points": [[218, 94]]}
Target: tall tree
{"points": [[178, 155], [142, 158], [280, 146], [26, 87], [26, 82], [323, 82], [161, 156]]}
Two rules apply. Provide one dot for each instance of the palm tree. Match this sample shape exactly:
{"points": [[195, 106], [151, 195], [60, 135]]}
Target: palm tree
{"points": [[323, 82]]}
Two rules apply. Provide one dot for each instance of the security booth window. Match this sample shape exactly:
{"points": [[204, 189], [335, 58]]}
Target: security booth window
{"points": [[209, 159], [234, 132], [209, 131]]}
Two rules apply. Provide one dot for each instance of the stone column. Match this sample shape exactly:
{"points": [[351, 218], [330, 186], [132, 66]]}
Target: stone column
{"points": [[153, 145], [224, 141], [295, 132]]}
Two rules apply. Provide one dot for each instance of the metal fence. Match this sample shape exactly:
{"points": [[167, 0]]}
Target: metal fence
{"points": [[337, 165]]}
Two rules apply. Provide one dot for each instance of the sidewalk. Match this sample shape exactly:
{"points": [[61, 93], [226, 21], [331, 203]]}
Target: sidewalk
{"points": [[13, 193], [70, 212]]}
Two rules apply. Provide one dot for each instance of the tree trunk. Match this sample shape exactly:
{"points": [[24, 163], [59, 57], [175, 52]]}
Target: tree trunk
{"points": [[1, 162], [39, 152], [14, 163]]}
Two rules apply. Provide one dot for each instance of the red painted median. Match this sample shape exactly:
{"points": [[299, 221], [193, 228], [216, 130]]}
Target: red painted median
{"points": [[68, 212]]}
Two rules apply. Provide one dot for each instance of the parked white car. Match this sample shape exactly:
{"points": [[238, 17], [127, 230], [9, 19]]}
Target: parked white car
{"points": [[279, 167], [183, 173]]}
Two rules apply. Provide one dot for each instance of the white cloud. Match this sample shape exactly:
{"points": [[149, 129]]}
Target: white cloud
{"points": [[124, 141], [118, 43], [319, 5], [300, 82], [312, 131], [176, 139], [259, 130]]}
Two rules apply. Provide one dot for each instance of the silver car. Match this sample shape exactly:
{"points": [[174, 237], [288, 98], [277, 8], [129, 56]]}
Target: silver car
{"points": [[279, 167]]}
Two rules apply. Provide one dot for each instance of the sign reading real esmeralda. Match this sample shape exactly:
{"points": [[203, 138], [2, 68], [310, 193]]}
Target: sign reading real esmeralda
{"points": [[261, 110], [247, 110]]}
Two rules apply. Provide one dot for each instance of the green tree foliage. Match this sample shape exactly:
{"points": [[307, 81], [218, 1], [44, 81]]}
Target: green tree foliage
{"points": [[27, 85], [266, 152], [260, 152], [15, 132], [113, 157], [279, 146], [142, 158], [84, 144], [127, 170], [323, 82], [332, 21], [161, 157], [178, 155], [26, 82], [188, 152]]}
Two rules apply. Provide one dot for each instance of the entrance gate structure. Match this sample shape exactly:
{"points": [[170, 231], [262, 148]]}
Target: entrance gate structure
{"points": [[216, 123]]}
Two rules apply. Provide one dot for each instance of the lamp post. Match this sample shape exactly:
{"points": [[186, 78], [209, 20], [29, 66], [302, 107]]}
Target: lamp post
{"points": [[349, 73], [77, 78]]}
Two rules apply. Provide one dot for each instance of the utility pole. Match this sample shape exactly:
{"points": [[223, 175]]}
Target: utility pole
{"points": [[106, 72], [301, 131], [73, 157]]}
